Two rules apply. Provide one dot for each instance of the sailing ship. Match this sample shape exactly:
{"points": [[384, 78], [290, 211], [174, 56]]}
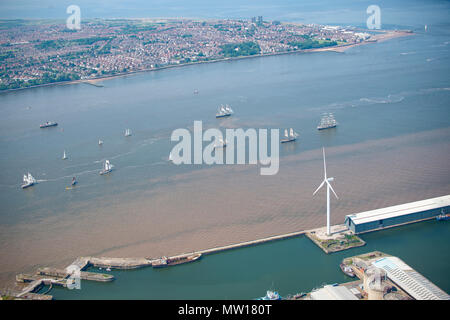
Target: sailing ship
{"points": [[100, 142], [170, 156], [28, 180], [48, 124], [127, 133], [224, 111], [107, 167], [64, 157], [291, 136], [327, 122], [74, 181]]}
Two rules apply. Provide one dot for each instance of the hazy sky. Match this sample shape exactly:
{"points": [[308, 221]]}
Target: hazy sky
{"points": [[319, 11]]}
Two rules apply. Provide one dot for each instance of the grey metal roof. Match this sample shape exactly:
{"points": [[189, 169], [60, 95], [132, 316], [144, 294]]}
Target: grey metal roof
{"points": [[399, 210]]}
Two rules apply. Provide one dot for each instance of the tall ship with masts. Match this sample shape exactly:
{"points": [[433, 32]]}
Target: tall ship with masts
{"points": [[328, 121], [224, 111], [107, 167], [289, 136], [28, 180]]}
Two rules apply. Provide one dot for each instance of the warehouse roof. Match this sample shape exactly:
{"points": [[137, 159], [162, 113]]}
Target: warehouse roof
{"points": [[412, 282], [399, 210], [329, 292]]}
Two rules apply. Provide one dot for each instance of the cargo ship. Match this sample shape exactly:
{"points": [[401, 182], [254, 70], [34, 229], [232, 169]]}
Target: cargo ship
{"points": [[327, 122], [165, 262], [48, 124]]}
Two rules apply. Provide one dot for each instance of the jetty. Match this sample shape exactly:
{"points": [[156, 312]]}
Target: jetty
{"points": [[342, 237], [53, 277]]}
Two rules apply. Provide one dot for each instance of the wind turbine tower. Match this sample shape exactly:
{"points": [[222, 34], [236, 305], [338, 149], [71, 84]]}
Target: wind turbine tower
{"points": [[327, 181]]}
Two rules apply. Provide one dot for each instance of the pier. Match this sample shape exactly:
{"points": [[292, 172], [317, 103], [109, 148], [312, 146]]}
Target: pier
{"points": [[341, 238]]}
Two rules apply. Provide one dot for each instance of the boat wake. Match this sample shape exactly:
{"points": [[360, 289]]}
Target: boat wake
{"points": [[369, 101]]}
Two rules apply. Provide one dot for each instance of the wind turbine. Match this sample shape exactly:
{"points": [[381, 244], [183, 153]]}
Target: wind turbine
{"points": [[327, 181]]}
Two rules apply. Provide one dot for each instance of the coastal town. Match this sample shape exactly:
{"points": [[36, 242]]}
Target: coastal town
{"points": [[37, 52]]}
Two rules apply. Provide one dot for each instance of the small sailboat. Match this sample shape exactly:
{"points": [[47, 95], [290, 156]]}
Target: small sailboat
{"points": [[288, 137], [107, 167], [72, 184], [221, 143], [170, 156], [28, 180], [64, 157], [127, 133], [100, 142]]}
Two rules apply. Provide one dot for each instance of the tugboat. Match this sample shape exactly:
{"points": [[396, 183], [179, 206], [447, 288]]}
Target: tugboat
{"points": [[327, 122], [107, 168], [224, 111], [292, 136], [48, 124], [28, 180], [271, 295], [347, 270]]}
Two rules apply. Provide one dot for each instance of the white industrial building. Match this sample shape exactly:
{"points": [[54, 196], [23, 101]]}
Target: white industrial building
{"points": [[409, 280], [397, 215], [330, 292]]}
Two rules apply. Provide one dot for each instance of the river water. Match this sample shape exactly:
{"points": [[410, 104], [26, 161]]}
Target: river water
{"points": [[391, 100]]}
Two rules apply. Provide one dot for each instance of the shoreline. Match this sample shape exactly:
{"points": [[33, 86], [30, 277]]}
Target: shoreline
{"points": [[383, 35]]}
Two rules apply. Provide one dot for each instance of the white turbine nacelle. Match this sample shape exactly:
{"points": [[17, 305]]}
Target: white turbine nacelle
{"points": [[329, 187]]}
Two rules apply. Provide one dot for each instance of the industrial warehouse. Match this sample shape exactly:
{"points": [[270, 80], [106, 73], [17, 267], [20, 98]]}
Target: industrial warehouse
{"points": [[397, 215]]}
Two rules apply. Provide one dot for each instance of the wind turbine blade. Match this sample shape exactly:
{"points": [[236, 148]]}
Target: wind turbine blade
{"points": [[324, 164], [332, 189], [319, 187]]}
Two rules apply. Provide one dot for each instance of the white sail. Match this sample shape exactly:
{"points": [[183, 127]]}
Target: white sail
{"points": [[170, 156], [25, 178], [286, 133], [31, 178], [100, 142], [64, 155], [291, 132]]}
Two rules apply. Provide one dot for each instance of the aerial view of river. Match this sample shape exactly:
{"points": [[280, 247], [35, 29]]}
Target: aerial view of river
{"points": [[391, 100]]}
